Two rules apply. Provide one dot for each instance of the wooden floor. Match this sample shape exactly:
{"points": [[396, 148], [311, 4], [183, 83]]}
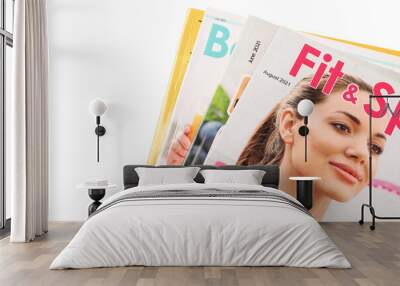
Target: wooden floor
{"points": [[375, 257]]}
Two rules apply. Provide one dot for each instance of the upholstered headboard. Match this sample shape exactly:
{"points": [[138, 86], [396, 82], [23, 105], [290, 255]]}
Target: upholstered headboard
{"points": [[270, 179]]}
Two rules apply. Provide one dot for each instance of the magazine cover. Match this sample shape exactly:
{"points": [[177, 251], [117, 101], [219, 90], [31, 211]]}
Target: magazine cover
{"points": [[215, 43], [192, 26], [264, 127], [386, 57], [253, 42]]}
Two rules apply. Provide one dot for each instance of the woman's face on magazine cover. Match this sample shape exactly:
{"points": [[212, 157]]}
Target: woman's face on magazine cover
{"points": [[338, 145]]}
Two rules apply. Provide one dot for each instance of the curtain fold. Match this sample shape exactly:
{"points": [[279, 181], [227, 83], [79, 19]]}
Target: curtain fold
{"points": [[28, 162]]}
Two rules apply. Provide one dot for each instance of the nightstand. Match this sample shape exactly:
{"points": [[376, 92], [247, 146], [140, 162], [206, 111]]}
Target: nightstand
{"points": [[304, 190], [96, 193]]}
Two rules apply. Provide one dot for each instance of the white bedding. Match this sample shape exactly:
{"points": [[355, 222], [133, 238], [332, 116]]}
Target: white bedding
{"points": [[200, 231]]}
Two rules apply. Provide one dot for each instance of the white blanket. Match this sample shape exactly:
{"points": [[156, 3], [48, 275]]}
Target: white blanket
{"points": [[200, 231]]}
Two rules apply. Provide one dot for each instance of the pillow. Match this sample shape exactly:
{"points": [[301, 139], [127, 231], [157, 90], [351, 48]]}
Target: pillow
{"points": [[162, 176], [249, 177]]}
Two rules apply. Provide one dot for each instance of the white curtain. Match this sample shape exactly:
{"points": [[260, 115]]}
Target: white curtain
{"points": [[27, 121]]}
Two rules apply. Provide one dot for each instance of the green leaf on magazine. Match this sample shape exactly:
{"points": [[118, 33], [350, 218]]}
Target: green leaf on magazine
{"points": [[217, 111]]}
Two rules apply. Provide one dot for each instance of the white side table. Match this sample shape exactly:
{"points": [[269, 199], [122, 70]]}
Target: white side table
{"points": [[304, 190], [96, 193]]}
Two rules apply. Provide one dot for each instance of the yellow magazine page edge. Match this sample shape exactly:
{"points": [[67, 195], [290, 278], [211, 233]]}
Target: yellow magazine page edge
{"points": [[192, 26], [361, 45]]}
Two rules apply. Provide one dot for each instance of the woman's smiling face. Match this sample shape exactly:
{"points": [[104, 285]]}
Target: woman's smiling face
{"points": [[338, 145]]}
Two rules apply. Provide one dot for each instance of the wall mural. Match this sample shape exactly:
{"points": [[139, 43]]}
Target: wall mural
{"points": [[238, 105]]}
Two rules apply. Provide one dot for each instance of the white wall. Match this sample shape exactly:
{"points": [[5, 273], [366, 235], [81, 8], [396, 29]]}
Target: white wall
{"points": [[123, 51]]}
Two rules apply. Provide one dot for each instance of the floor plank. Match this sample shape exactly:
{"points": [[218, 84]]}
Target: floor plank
{"points": [[375, 257]]}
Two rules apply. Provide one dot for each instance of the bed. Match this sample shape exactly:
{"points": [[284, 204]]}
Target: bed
{"points": [[199, 224]]}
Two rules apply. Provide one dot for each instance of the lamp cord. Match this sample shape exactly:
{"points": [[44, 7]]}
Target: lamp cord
{"points": [[305, 146], [98, 145], [305, 137]]}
